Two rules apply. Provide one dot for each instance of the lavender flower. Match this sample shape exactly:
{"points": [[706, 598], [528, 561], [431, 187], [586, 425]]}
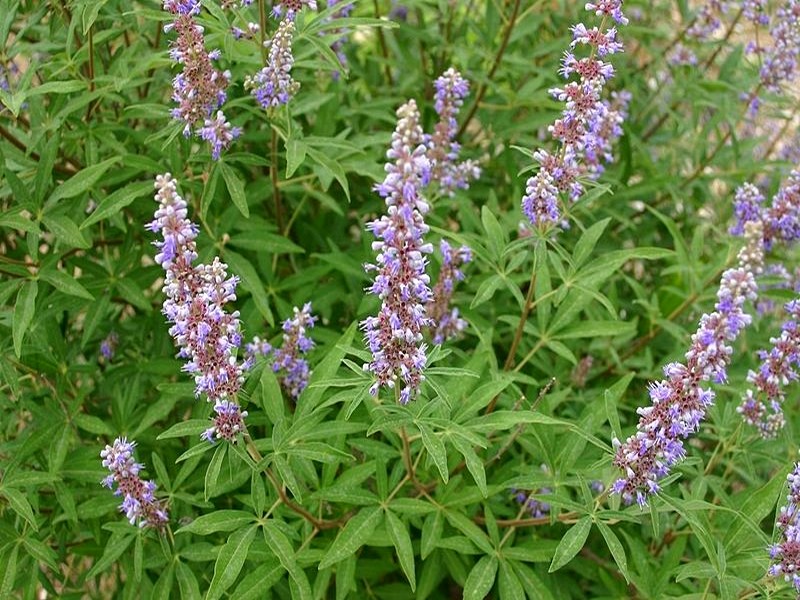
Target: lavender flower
{"points": [[679, 403], [343, 10], [680, 55], [288, 357], [761, 405], [536, 508], [785, 555], [288, 9], [781, 219], [587, 126], [707, 21], [109, 345], [228, 422], [199, 89], [196, 295], [273, 85], [443, 150], [445, 322], [219, 133], [395, 336], [780, 63], [608, 8], [252, 30], [755, 11], [139, 502], [257, 347]]}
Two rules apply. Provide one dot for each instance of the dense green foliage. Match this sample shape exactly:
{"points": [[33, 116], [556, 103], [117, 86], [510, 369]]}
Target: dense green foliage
{"points": [[357, 496]]}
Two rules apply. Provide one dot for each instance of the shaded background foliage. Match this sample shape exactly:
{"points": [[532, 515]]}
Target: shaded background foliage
{"points": [[85, 127]]}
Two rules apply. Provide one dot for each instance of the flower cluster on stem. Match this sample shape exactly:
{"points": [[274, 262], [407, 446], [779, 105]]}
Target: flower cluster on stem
{"points": [[200, 89], [138, 496], [707, 20], [445, 321], [443, 150], [207, 336], [762, 404], [680, 402], [587, 126], [785, 555], [273, 85], [288, 9], [288, 359], [781, 219], [394, 336]]}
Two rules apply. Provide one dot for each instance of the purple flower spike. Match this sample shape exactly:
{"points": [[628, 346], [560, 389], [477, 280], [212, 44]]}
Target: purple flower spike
{"points": [[443, 150], [707, 20], [219, 133], [781, 219], [273, 85], [200, 89], [446, 322], [785, 554], [228, 422], [288, 9], [679, 403], [207, 336], [762, 405], [288, 359], [588, 125], [394, 336], [139, 502]]}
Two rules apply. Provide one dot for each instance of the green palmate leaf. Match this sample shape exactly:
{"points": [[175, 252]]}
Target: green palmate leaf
{"points": [[41, 553], [65, 230], [282, 548], [757, 506], [259, 579], [187, 582], [64, 283], [571, 543], [481, 579], [118, 543], [192, 427], [353, 536], [235, 188], [271, 396], [213, 471], [9, 571], [494, 233], [592, 329], [19, 504], [58, 87], [436, 450], [82, 181], [331, 166], [474, 464], [588, 242], [230, 561], [432, 530], [116, 201], [133, 294], [509, 584], [398, 532], [295, 155], [616, 548], [251, 282], [466, 526], [220, 520], [23, 313]]}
